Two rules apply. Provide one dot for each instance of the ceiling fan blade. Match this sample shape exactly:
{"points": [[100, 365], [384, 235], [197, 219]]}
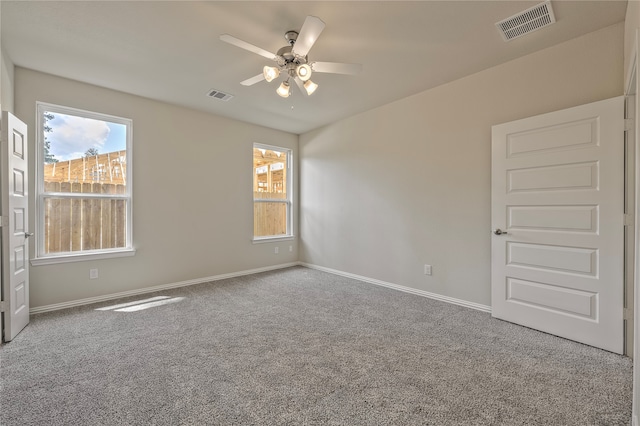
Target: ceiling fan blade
{"points": [[308, 35], [300, 85], [247, 46], [253, 80], [336, 68]]}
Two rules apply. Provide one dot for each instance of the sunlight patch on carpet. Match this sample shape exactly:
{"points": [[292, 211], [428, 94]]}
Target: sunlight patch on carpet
{"points": [[140, 305]]}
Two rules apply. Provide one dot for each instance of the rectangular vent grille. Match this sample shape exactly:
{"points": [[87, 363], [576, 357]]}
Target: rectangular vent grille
{"points": [[213, 93], [526, 22]]}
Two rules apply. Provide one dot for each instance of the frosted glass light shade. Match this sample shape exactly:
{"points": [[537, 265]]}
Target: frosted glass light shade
{"points": [[270, 73], [303, 72], [310, 87], [283, 90]]}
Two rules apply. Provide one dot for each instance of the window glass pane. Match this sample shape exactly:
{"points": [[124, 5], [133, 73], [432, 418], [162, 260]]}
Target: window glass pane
{"points": [[271, 191], [84, 182], [83, 150], [87, 187], [78, 224], [269, 174], [269, 218]]}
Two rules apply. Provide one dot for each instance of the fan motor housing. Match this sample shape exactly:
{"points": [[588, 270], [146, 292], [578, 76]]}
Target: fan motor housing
{"points": [[291, 37], [286, 53], [288, 56]]}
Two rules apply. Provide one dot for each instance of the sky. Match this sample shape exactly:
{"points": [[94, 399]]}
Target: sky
{"points": [[72, 136]]}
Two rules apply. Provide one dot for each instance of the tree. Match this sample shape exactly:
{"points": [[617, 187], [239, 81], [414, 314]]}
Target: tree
{"points": [[48, 156], [91, 152]]}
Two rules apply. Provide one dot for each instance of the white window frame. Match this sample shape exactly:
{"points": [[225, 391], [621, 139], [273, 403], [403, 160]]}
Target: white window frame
{"points": [[43, 258], [288, 201]]}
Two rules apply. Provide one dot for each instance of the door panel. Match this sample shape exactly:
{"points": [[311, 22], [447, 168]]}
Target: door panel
{"points": [[15, 235], [559, 218], [558, 197], [552, 298], [571, 260], [556, 178]]}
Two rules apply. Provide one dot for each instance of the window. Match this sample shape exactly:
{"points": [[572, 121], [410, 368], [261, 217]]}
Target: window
{"points": [[83, 185], [271, 192]]}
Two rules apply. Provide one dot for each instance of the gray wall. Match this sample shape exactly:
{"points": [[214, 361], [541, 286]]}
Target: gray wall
{"points": [[631, 25], [387, 191], [6, 82], [382, 193], [192, 189]]}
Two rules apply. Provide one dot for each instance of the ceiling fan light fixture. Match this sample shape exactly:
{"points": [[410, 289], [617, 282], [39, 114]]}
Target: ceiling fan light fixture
{"points": [[292, 61], [270, 73], [303, 72], [310, 87], [283, 90]]}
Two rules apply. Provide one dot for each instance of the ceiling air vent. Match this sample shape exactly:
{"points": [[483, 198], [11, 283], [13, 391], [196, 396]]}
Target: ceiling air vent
{"points": [[526, 22], [213, 93]]}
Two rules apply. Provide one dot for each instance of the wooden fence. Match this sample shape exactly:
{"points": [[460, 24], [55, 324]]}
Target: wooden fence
{"points": [[109, 167], [73, 224], [269, 218]]}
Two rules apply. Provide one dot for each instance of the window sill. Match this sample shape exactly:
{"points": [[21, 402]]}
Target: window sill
{"points": [[51, 260], [259, 240]]}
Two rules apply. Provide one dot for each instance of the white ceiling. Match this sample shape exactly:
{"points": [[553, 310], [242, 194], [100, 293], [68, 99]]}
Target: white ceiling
{"points": [[170, 51]]}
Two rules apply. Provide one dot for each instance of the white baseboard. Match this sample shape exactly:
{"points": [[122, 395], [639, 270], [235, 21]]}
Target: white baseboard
{"points": [[89, 300], [112, 296], [454, 301]]}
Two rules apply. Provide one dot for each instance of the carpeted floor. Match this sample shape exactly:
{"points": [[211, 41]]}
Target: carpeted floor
{"points": [[302, 347]]}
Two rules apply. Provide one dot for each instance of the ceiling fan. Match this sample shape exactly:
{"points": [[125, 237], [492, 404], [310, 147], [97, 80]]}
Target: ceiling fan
{"points": [[292, 60]]}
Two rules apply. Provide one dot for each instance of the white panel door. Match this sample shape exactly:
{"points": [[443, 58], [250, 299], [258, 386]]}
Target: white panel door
{"points": [[557, 194], [15, 218]]}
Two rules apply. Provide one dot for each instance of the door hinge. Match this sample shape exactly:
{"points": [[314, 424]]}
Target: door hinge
{"points": [[628, 220], [627, 314], [628, 124], [4, 306]]}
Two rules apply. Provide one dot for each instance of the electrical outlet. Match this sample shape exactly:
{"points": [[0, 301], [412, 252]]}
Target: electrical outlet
{"points": [[427, 269], [276, 250], [290, 249], [93, 274]]}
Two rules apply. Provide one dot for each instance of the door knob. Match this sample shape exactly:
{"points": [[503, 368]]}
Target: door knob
{"points": [[28, 234], [499, 231]]}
